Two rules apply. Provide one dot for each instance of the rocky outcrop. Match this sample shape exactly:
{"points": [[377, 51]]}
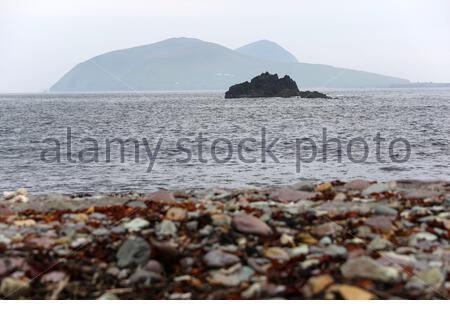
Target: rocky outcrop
{"points": [[269, 85], [264, 85], [313, 95]]}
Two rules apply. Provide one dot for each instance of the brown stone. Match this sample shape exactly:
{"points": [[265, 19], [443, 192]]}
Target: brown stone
{"points": [[316, 285], [349, 292], [249, 224], [161, 196], [382, 223], [357, 185], [327, 229], [290, 195], [176, 214]]}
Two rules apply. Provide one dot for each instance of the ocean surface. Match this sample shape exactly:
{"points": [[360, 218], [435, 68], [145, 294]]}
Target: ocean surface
{"points": [[234, 135]]}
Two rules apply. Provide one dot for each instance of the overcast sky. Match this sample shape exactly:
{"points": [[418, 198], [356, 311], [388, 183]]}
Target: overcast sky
{"points": [[42, 40]]}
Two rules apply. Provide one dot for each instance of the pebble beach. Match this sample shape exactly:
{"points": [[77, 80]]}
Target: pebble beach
{"points": [[333, 240]]}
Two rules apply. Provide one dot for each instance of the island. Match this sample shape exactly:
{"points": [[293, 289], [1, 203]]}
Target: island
{"points": [[268, 85]]}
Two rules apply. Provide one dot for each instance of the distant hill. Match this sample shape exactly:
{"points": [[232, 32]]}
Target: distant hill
{"points": [[192, 64], [267, 50]]}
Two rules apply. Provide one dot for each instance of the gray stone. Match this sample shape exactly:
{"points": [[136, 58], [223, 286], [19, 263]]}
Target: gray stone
{"points": [[383, 210], [365, 267], [136, 224], [376, 188], [415, 239], [137, 204], [335, 251], [379, 243], [133, 251], [428, 280], [166, 228], [218, 258]]}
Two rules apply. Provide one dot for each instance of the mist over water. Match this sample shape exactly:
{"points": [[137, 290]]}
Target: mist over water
{"points": [[420, 116]]}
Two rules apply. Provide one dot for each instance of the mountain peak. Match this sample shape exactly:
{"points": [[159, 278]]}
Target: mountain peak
{"points": [[267, 50]]}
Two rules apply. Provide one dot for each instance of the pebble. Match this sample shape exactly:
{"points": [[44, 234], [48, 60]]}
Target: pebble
{"points": [[108, 296], [316, 285], [176, 214], [136, 204], [4, 239], [219, 278], [166, 228], [304, 186], [277, 253], [290, 195], [327, 229], [133, 251], [379, 243], [218, 258], [286, 239], [154, 266], [12, 288], [180, 296], [376, 188], [415, 239], [53, 277], [382, 223], [221, 220], [136, 224], [335, 251], [161, 196], [298, 251], [365, 267], [249, 224], [428, 280], [25, 223], [383, 210], [79, 242], [323, 187], [348, 292], [358, 185]]}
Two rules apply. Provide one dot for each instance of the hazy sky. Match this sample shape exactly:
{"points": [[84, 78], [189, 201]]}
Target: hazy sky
{"points": [[41, 40]]}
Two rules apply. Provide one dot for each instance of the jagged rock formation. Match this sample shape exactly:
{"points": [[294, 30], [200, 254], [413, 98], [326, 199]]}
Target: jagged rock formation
{"points": [[269, 85]]}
